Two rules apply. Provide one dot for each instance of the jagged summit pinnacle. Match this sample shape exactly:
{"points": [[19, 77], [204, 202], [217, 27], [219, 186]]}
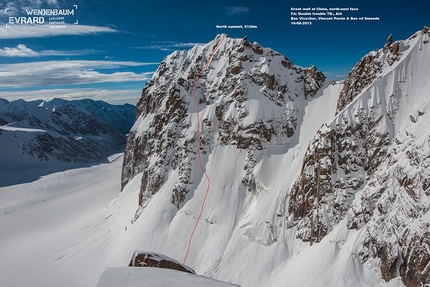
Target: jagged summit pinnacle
{"points": [[219, 36], [374, 64], [389, 41]]}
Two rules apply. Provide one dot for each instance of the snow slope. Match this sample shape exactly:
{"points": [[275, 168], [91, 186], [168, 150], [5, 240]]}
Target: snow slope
{"points": [[52, 231], [154, 277], [66, 227]]}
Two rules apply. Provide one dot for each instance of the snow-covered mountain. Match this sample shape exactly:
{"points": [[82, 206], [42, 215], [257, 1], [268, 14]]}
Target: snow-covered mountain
{"points": [[311, 183], [369, 165], [251, 97], [61, 131]]}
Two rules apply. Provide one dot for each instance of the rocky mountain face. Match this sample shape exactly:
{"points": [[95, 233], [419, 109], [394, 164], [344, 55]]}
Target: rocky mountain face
{"points": [[120, 116], [369, 68], [370, 164], [240, 76], [361, 187], [65, 131]]}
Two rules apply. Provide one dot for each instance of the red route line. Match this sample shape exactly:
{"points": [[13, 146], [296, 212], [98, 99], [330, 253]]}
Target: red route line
{"points": [[198, 148]]}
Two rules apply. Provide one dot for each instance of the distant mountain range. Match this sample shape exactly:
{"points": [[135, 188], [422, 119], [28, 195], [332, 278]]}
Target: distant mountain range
{"points": [[61, 130]]}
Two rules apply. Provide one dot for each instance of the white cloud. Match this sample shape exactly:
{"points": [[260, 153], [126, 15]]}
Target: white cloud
{"points": [[168, 46], [341, 75], [52, 73], [66, 53], [52, 2], [237, 10], [20, 51], [110, 96], [156, 47], [23, 51], [37, 31], [21, 5], [180, 45]]}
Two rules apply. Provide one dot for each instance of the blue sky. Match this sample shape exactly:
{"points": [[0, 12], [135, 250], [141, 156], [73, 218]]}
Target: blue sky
{"points": [[115, 46]]}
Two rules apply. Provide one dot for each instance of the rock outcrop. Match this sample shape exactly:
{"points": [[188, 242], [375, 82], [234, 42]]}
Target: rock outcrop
{"points": [[368, 69], [152, 259]]}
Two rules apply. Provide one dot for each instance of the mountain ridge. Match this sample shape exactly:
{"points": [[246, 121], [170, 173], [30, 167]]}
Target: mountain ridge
{"points": [[292, 160], [43, 134]]}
